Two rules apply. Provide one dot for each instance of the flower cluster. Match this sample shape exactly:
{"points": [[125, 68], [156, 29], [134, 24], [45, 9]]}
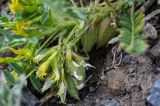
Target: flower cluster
{"points": [[15, 6]]}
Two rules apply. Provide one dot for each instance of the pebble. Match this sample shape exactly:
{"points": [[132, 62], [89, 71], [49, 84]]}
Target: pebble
{"points": [[154, 98], [116, 81], [150, 31], [110, 103], [157, 70], [155, 51]]}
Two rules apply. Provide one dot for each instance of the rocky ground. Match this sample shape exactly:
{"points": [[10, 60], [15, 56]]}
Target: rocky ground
{"points": [[119, 79]]}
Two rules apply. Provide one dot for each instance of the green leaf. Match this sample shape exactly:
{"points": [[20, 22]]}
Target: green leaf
{"points": [[45, 16], [36, 82], [6, 34], [89, 38], [131, 39], [105, 32], [33, 40], [1, 43], [62, 92], [71, 87], [17, 68], [4, 17], [48, 83], [8, 76]]}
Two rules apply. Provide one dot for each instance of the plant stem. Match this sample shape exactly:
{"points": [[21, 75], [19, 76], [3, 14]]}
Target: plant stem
{"points": [[7, 23], [73, 3], [56, 30], [30, 73], [112, 11], [132, 21], [81, 2], [108, 2]]}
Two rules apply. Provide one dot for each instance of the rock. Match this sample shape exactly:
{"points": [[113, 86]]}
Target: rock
{"points": [[113, 40], [28, 98], [110, 103], [157, 70], [144, 64], [150, 31], [158, 2], [129, 59], [154, 98], [91, 89], [155, 51], [116, 81]]}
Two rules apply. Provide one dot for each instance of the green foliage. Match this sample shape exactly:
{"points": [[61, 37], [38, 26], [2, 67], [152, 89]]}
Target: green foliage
{"points": [[131, 2], [11, 97], [18, 69], [131, 38], [36, 82], [48, 36], [10, 79]]}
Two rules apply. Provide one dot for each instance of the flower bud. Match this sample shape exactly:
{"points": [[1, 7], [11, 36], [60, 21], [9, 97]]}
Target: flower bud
{"points": [[42, 70]]}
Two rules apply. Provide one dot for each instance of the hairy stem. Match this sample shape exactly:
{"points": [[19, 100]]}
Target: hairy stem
{"points": [[132, 21]]}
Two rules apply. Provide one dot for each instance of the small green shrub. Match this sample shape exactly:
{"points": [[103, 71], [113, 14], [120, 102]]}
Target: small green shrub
{"points": [[48, 36]]}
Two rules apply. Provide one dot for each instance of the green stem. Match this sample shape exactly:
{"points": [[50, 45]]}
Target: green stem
{"points": [[2, 24], [70, 34], [108, 2], [46, 42], [73, 3], [81, 2], [56, 30], [30, 73], [112, 11], [32, 16], [132, 21], [36, 19]]}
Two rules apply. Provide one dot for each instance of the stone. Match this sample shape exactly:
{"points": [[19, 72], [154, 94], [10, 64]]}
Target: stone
{"points": [[116, 81], [157, 70], [28, 98], [129, 59], [110, 103], [150, 31], [91, 89], [155, 51], [154, 98], [113, 40], [158, 2]]}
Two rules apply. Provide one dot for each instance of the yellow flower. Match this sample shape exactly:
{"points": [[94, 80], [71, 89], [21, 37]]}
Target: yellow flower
{"points": [[20, 25], [18, 52], [15, 6], [1, 60], [42, 70], [56, 75]]}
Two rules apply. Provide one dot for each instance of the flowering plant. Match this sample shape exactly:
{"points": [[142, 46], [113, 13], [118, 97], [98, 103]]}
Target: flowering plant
{"points": [[48, 36]]}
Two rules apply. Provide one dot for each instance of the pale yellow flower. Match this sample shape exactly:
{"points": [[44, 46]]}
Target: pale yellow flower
{"points": [[1, 60], [18, 52], [20, 26], [42, 70], [15, 6], [56, 76]]}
